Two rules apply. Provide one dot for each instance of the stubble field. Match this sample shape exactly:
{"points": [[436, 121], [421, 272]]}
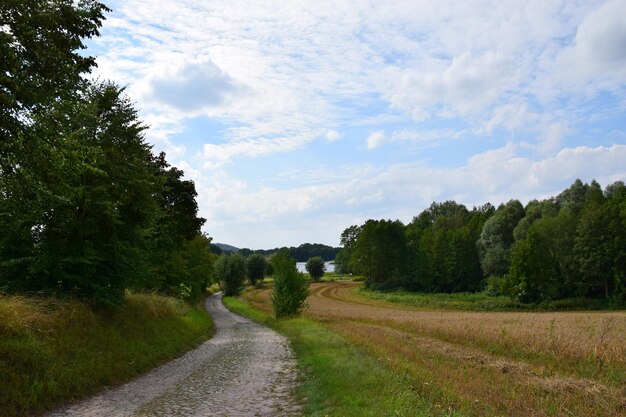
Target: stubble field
{"points": [[485, 363]]}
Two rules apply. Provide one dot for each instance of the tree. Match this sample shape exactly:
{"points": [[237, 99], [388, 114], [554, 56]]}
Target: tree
{"points": [[198, 267], [256, 265], [82, 222], [344, 262], [541, 264], [600, 241], [380, 252], [315, 267], [177, 227], [442, 248], [41, 64], [496, 238], [230, 271], [290, 289]]}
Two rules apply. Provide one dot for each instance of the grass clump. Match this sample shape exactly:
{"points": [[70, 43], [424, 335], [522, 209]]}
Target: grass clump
{"points": [[53, 351]]}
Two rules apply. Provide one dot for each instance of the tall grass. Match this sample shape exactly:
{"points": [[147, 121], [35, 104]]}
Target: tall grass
{"points": [[53, 351]]}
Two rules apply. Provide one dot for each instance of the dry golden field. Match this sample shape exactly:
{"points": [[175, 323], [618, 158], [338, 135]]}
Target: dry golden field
{"points": [[485, 363]]}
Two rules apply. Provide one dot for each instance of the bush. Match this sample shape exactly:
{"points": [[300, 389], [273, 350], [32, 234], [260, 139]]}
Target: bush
{"points": [[230, 270], [256, 265], [290, 289], [315, 267]]}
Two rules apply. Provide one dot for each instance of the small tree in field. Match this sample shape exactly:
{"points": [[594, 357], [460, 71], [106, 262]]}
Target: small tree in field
{"points": [[256, 265], [316, 267], [290, 289], [230, 270]]}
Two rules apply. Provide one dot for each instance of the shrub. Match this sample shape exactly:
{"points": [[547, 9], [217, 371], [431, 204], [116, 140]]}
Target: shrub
{"points": [[230, 270], [290, 289], [315, 267], [256, 265]]}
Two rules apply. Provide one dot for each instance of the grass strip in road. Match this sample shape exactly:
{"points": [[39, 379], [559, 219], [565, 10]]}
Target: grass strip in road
{"points": [[341, 379], [54, 351]]}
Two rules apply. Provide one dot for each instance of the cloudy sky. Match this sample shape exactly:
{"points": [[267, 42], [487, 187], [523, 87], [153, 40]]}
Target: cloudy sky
{"points": [[297, 119]]}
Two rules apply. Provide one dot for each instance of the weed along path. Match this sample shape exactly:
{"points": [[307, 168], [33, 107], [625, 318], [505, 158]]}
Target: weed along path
{"points": [[245, 370]]}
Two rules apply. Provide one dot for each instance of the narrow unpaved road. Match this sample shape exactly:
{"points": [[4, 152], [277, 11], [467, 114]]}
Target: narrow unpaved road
{"points": [[245, 370]]}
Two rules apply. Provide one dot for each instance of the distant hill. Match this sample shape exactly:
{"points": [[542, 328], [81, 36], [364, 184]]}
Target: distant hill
{"points": [[226, 248]]}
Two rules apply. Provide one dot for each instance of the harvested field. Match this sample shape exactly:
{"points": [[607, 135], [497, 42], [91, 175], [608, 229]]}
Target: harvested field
{"points": [[485, 363]]}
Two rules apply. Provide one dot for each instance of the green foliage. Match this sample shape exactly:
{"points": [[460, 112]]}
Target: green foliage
{"points": [[300, 253], [81, 226], [256, 265], [541, 263], [290, 288], [230, 271], [308, 250], [345, 259], [380, 252], [442, 242], [496, 238], [572, 246], [41, 62], [86, 210], [178, 251], [315, 267]]}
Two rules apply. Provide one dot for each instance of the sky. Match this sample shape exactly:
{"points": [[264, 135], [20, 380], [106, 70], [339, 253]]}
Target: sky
{"points": [[296, 119]]}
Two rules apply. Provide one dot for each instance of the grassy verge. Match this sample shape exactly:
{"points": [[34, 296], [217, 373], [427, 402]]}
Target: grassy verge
{"points": [[341, 379], [483, 302], [54, 351]]}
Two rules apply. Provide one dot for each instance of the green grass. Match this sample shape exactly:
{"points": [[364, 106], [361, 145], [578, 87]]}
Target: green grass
{"points": [[54, 351], [339, 378], [482, 301]]}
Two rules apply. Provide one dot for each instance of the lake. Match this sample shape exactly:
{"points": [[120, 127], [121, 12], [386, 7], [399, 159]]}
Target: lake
{"points": [[330, 267]]}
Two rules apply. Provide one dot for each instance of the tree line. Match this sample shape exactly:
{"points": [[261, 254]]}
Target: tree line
{"points": [[568, 246], [86, 208], [300, 253]]}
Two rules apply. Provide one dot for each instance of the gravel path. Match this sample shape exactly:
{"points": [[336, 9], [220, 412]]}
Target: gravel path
{"points": [[245, 370]]}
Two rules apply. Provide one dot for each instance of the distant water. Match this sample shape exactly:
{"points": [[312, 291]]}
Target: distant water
{"points": [[330, 267]]}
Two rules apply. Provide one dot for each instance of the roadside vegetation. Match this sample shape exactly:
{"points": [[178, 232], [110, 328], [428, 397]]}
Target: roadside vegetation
{"points": [[54, 351], [474, 363]]}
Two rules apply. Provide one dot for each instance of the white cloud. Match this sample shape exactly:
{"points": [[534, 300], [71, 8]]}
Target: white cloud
{"points": [[599, 49], [193, 87], [380, 138], [214, 156], [278, 75], [398, 191], [376, 139], [333, 135], [467, 84]]}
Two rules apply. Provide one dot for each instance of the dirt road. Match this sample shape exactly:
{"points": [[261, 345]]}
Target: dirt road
{"points": [[245, 370]]}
